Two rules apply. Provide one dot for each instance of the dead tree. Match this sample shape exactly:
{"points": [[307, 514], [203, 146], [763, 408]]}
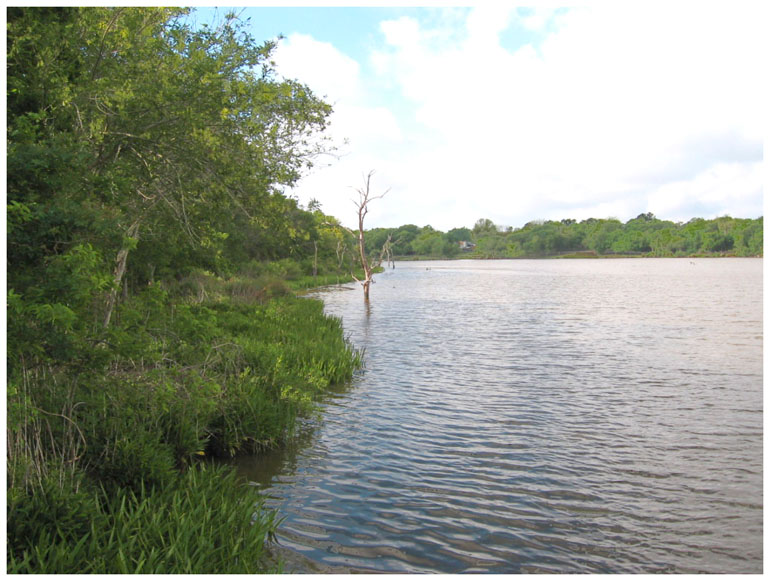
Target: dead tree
{"points": [[389, 243], [387, 252], [315, 258], [364, 197], [340, 253], [120, 270]]}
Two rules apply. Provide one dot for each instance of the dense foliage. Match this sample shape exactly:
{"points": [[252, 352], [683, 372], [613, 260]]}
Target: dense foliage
{"points": [[644, 235], [149, 251]]}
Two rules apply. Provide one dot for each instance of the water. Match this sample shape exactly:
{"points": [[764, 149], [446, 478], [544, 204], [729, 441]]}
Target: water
{"points": [[573, 416]]}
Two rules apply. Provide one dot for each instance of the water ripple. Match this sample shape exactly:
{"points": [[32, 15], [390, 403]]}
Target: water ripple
{"points": [[537, 417]]}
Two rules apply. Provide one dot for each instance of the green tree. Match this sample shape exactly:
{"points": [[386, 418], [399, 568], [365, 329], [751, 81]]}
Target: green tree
{"points": [[149, 132], [403, 238], [749, 239], [602, 235], [459, 234], [484, 227]]}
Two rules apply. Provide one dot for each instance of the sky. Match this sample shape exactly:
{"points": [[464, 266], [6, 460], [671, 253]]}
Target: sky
{"points": [[518, 113]]}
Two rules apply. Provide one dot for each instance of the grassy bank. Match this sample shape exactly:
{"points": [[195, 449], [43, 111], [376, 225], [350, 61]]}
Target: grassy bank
{"points": [[310, 282], [150, 323], [104, 445]]}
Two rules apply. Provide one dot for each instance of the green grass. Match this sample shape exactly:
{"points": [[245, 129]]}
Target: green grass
{"points": [[309, 282], [205, 522], [105, 449]]}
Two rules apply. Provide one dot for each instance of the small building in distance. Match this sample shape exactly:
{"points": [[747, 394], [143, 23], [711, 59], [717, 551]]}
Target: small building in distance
{"points": [[466, 246]]}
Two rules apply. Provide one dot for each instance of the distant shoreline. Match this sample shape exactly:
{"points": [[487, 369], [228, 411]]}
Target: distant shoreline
{"points": [[587, 255]]}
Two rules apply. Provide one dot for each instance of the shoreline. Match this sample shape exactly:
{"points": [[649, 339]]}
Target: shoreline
{"points": [[569, 256]]}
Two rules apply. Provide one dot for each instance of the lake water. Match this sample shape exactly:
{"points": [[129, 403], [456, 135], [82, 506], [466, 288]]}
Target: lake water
{"points": [[554, 416]]}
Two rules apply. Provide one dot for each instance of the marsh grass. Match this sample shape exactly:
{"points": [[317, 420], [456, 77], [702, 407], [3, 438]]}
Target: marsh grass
{"points": [[104, 449], [207, 522]]}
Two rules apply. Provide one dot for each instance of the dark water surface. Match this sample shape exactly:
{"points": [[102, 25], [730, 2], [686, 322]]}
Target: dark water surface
{"points": [[560, 416]]}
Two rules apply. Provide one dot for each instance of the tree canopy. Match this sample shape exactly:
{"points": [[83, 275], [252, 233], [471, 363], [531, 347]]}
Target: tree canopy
{"points": [[139, 148]]}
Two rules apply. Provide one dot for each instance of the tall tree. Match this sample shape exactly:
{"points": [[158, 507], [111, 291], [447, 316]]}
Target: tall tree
{"points": [[147, 131]]}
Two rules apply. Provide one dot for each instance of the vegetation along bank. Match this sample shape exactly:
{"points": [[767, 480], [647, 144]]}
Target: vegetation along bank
{"points": [[152, 258], [151, 275]]}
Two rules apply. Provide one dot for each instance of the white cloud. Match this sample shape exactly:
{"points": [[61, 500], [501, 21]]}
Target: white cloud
{"points": [[404, 32], [319, 65], [618, 109], [725, 188], [365, 135], [535, 18], [486, 23]]}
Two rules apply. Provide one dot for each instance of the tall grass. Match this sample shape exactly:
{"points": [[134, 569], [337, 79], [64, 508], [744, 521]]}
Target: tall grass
{"points": [[205, 523], [104, 448]]}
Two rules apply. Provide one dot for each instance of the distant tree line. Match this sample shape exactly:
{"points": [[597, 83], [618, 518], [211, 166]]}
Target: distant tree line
{"points": [[644, 235]]}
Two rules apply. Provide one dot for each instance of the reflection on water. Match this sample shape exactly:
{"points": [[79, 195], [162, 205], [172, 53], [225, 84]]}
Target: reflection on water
{"points": [[537, 416]]}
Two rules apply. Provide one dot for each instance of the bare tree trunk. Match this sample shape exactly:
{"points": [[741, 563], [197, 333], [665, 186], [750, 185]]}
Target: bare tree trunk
{"points": [[364, 197], [315, 258], [386, 252], [362, 255], [340, 253], [120, 270]]}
